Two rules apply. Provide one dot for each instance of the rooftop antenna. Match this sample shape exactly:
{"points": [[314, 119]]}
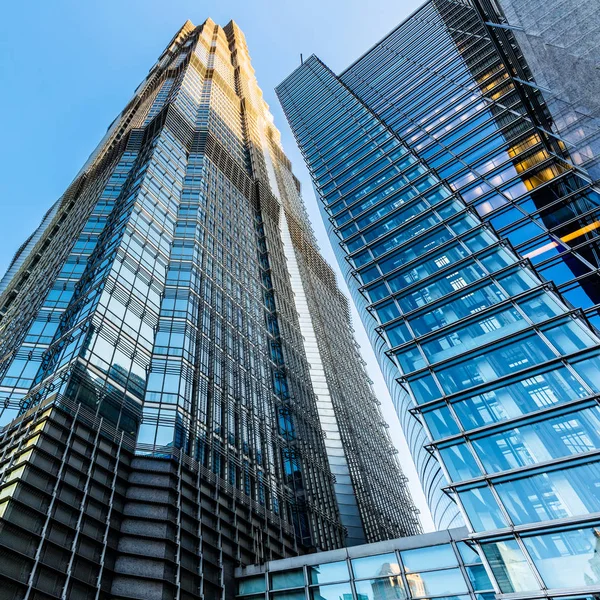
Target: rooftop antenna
{"points": [[301, 59]]}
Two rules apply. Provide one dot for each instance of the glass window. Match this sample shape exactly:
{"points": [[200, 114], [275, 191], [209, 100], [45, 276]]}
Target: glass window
{"points": [[567, 558], [291, 595], [251, 585], [510, 568], [459, 462], [375, 566], [433, 557], [482, 509], [424, 388], [287, 579], [336, 571], [479, 578], [569, 434], [589, 369], [437, 583], [338, 591], [494, 362], [483, 330], [468, 553], [388, 588], [570, 337], [556, 494], [518, 398], [441, 423]]}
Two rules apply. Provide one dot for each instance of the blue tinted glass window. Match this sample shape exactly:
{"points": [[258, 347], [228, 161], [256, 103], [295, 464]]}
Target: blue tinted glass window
{"points": [[436, 583], [566, 559], [482, 509], [329, 572], [331, 592], [432, 557], [252, 585], [389, 588], [460, 462], [553, 495], [510, 567], [375, 566]]}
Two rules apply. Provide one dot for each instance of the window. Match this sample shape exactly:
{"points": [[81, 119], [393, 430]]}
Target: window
{"points": [[327, 573], [375, 566]]}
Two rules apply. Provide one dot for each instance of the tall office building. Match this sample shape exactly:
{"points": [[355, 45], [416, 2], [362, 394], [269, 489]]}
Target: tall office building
{"points": [[181, 391], [469, 239]]}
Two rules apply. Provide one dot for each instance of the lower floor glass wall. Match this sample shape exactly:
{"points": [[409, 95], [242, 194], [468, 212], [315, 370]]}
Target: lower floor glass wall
{"points": [[435, 565], [444, 565]]}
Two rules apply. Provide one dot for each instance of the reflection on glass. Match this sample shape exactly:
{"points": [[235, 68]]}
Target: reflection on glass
{"points": [[436, 583], [432, 557], [573, 433], [460, 462], [482, 509], [554, 495], [479, 578], [375, 566], [510, 568], [338, 591], [287, 579], [336, 571], [468, 553], [567, 558], [519, 398], [387, 588]]}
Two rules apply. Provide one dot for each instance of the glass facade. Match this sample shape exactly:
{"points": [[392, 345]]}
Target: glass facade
{"points": [[468, 235], [428, 566], [179, 382]]}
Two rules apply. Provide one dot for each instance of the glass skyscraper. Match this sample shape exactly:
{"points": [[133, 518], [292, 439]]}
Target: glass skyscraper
{"points": [[468, 235], [180, 389]]}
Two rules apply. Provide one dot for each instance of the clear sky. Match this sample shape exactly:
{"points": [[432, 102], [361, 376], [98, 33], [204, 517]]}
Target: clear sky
{"points": [[68, 67]]}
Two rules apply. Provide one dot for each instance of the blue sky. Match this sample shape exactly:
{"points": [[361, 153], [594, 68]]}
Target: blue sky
{"points": [[68, 67]]}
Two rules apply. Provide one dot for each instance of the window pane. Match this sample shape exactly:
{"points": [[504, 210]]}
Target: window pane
{"points": [[482, 509], [460, 462], [510, 567], [287, 579], [468, 554], [435, 583], [568, 558], [339, 591], [573, 433], [336, 571], [252, 585], [434, 557], [388, 588], [292, 595], [554, 495], [375, 566], [479, 578]]}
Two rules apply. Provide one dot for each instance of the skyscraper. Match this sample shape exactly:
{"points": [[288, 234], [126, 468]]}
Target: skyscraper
{"points": [[469, 238], [181, 391]]}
